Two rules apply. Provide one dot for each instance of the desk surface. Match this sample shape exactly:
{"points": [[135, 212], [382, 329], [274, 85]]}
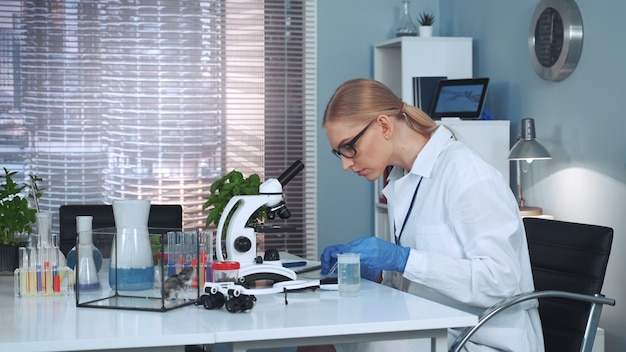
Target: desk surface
{"points": [[55, 324], [377, 311], [378, 308]]}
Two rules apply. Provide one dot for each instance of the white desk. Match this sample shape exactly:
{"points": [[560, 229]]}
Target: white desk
{"points": [[379, 313], [55, 324], [311, 317]]}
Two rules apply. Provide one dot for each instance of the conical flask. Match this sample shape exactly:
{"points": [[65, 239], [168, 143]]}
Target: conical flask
{"points": [[406, 26], [86, 270], [84, 223]]}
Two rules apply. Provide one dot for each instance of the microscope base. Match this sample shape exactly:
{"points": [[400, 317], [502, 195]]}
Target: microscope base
{"points": [[249, 274]]}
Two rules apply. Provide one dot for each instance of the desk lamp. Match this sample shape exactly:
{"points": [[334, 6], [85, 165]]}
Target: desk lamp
{"points": [[527, 148]]}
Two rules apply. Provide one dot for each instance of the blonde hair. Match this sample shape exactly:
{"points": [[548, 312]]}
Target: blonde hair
{"points": [[363, 100]]}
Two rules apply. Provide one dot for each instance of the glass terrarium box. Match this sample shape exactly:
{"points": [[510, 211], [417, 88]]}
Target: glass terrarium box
{"points": [[157, 270]]}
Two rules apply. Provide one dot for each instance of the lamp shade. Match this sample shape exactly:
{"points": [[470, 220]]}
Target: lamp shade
{"points": [[527, 148]]}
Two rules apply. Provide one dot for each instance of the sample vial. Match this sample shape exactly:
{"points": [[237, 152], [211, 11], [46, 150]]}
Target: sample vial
{"points": [[225, 271]]}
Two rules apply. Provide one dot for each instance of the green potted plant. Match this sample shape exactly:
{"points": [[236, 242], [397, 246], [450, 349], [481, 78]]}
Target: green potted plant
{"points": [[232, 184], [426, 21], [17, 217]]}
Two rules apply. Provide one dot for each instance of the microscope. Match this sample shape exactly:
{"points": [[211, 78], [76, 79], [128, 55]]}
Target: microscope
{"points": [[240, 240]]}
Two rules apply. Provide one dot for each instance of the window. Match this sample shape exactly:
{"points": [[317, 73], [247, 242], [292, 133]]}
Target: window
{"points": [[155, 99]]}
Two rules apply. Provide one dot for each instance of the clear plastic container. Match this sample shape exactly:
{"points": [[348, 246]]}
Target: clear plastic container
{"points": [[225, 271]]}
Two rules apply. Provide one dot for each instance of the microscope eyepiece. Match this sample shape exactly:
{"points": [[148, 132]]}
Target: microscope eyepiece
{"points": [[290, 173]]}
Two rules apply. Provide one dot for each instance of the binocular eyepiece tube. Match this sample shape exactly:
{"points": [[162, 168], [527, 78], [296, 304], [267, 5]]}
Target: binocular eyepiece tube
{"points": [[290, 173]]}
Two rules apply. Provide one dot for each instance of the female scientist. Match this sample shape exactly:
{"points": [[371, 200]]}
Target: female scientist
{"points": [[459, 236]]}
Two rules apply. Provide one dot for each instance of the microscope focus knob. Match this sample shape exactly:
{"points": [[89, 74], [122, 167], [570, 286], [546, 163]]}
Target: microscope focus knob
{"points": [[271, 254], [242, 244]]}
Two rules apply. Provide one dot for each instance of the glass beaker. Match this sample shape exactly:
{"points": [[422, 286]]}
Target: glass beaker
{"points": [[349, 274], [132, 267]]}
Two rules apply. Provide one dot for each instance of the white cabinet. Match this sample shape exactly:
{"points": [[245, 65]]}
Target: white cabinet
{"points": [[397, 61], [490, 138]]}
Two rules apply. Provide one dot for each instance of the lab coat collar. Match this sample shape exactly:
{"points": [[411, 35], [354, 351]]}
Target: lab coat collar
{"points": [[425, 161], [427, 157], [395, 191]]}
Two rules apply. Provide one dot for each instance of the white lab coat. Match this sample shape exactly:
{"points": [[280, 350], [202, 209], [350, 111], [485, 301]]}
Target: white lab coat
{"points": [[468, 244]]}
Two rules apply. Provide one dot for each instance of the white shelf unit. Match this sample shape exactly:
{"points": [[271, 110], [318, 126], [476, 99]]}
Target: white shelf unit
{"points": [[397, 61], [490, 138]]}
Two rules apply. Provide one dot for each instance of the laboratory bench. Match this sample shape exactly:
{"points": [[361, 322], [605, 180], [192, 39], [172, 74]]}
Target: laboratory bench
{"points": [[54, 323]]}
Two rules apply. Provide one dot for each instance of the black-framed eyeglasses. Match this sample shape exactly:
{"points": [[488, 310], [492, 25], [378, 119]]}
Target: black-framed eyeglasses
{"points": [[348, 150]]}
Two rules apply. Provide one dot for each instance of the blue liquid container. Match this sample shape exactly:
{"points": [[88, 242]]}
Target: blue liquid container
{"points": [[133, 279], [132, 266], [89, 287]]}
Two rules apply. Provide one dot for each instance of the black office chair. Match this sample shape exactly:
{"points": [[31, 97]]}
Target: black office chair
{"points": [[163, 216], [569, 263]]}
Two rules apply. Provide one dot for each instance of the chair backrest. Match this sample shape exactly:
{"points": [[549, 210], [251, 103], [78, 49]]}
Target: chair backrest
{"points": [[166, 216], [570, 257]]}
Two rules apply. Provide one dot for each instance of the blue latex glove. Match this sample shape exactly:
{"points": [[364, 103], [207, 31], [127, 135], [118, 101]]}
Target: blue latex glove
{"points": [[330, 253], [370, 274], [376, 255]]}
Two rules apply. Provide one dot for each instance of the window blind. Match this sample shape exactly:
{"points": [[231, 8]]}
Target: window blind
{"points": [[156, 99]]}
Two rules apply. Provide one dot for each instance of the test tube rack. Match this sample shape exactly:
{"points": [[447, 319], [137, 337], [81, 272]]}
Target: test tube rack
{"points": [[40, 274]]}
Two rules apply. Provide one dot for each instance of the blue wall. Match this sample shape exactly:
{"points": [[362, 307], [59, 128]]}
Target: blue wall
{"points": [[579, 120], [347, 30]]}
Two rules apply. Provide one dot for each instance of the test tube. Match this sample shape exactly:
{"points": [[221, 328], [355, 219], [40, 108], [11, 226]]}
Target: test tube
{"points": [[184, 259], [171, 255], [202, 248], [191, 248], [194, 265], [209, 264], [56, 275], [23, 271], [39, 270], [191, 254], [49, 287], [178, 248], [32, 271]]}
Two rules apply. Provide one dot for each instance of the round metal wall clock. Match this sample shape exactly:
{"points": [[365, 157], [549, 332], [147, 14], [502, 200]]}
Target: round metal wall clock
{"points": [[555, 40]]}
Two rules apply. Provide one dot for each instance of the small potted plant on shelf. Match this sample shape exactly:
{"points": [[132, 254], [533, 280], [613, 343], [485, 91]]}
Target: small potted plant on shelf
{"points": [[426, 21], [17, 217], [222, 190]]}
